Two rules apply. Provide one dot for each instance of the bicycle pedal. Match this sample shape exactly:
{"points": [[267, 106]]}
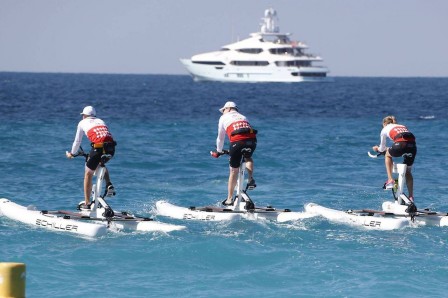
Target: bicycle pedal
{"points": [[251, 185], [110, 194], [110, 191]]}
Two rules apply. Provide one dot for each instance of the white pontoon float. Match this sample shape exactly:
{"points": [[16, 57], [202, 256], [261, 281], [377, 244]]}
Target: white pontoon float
{"points": [[395, 214], [242, 207], [94, 222]]}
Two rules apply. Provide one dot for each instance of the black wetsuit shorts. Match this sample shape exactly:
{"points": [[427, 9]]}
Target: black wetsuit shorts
{"points": [[406, 149], [95, 155], [239, 149]]}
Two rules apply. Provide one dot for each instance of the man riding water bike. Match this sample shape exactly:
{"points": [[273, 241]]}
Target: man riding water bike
{"points": [[103, 147], [243, 142], [404, 145]]}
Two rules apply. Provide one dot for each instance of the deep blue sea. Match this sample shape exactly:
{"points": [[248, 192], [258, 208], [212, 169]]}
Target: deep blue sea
{"points": [[312, 147]]}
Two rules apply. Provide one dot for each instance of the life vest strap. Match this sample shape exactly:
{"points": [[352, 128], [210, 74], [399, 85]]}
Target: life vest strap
{"points": [[242, 131]]}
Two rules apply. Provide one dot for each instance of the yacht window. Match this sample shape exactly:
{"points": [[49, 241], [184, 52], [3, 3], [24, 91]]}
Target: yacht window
{"points": [[209, 62], [298, 52], [225, 49], [250, 63], [250, 51], [282, 51], [313, 74], [297, 63]]}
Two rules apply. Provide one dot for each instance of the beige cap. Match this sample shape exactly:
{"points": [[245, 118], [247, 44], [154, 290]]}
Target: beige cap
{"points": [[89, 111], [229, 104]]}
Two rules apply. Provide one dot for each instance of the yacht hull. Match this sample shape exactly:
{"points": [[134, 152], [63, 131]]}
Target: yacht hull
{"points": [[254, 74]]}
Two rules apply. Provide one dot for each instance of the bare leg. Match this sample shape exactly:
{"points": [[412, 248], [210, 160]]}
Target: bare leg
{"points": [[233, 176], [88, 176], [389, 165], [249, 168], [410, 182]]}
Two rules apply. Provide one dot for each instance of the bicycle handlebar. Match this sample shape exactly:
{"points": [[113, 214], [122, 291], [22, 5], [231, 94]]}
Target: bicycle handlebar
{"points": [[217, 154], [80, 153], [376, 155]]}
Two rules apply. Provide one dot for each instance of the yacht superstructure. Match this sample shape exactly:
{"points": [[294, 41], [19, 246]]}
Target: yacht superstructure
{"points": [[266, 56]]}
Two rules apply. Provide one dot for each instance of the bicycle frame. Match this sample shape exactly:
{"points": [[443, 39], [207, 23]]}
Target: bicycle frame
{"points": [[242, 199], [100, 207], [398, 193]]}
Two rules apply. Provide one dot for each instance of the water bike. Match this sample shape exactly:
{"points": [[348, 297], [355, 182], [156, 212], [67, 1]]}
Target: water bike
{"points": [[242, 206], [396, 214], [93, 222]]}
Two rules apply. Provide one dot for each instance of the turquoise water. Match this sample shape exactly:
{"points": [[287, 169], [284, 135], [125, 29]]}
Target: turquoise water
{"points": [[312, 147]]}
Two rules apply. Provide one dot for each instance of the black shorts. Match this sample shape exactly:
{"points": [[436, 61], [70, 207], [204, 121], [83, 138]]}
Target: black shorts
{"points": [[406, 149], [240, 148], [95, 155]]}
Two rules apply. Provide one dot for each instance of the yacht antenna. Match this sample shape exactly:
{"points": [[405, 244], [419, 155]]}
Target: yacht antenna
{"points": [[269, 21]]}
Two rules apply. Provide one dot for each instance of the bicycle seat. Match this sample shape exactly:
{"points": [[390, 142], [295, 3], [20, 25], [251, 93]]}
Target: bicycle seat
{"points": [[246, 152], [105, 158]]}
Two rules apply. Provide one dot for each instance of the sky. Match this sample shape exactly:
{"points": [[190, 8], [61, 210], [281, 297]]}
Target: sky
{"points": [[392, 38]]}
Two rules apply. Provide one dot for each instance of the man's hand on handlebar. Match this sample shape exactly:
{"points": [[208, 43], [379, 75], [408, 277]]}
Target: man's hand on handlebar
{"points": [[79, 153], [217, 154]]}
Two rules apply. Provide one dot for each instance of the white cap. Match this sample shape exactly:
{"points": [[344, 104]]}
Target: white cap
{"points": [[229, 104], [89, 111]]}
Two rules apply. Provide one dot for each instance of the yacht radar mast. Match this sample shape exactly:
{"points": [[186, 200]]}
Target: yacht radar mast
{"points": [[269, 20]]}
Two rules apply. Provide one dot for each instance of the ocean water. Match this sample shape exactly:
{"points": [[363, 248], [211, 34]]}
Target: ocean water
{"points": [[312, 147]]}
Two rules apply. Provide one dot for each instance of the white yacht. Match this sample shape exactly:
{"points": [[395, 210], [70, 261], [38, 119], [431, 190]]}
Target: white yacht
{"points": [[266, 56]]}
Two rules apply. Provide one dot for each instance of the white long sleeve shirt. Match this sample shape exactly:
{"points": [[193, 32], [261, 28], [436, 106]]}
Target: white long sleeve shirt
{"points": [[228, 123], [390, 131], [95, 129]]}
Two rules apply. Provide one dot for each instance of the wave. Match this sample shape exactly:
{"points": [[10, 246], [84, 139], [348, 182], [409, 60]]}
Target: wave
{"points": [[427, 117]]}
